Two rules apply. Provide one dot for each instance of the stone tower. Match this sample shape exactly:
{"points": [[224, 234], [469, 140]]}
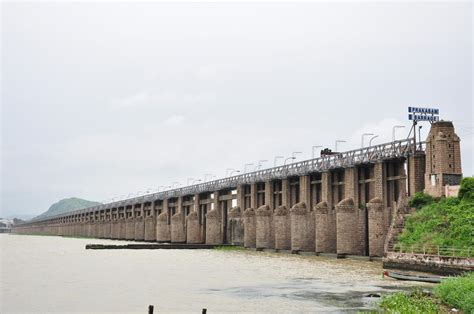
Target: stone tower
{"points": [[443, 159]]}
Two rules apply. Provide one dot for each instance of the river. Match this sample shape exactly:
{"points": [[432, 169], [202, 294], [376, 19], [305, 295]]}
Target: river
{"points": [[43, 274]]}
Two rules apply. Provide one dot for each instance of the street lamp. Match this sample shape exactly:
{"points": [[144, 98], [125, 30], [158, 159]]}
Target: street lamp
{"points": [[176, 183], [291, 157], [295, 153], [227, 171], [371, 139], [245, 167], [259, 165], [419, 134], [189, 180], [275, 160], [339, 141], [232, 172], [314, 147], [198, 180], [206, 175], [362, 138], [393, 130]]}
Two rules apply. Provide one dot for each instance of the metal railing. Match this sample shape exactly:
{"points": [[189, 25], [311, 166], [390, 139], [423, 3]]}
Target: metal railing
{"points": [[365, 155], [435, 250]]}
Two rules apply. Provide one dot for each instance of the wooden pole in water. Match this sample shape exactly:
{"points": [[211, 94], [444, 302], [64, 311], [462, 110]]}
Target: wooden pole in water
{"points": [[204, 311], [150, 309]]}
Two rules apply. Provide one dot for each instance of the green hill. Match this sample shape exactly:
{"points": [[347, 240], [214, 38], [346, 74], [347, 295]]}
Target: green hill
{"points": [[67, 205], [448, 222]]}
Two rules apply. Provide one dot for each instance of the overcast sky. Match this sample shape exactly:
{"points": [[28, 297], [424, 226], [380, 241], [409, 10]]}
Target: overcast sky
{"points": [[101, 100]]}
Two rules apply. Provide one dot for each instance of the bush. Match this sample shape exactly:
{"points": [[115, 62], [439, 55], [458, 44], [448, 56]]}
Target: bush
{"points": [[466, 191], [458, 292], [414, 302], [420, 199]]}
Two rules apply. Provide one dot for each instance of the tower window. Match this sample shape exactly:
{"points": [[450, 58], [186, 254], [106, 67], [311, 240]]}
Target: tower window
{"points": [[449, 155], [449, 165]]}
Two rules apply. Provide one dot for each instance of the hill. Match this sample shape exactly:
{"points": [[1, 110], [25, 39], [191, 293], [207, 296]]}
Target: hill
{"points": [[67, 205]]}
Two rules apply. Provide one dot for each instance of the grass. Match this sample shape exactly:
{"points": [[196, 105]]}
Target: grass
{"points": [[457, 292], [410, 303], [229, 248], [447, 223]]}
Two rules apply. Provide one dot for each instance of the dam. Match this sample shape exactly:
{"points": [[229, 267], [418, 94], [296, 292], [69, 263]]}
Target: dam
{"points": [[343, 203]]}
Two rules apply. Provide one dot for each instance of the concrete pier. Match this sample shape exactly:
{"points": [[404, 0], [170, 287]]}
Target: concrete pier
{"points": [[250, 228], [213, 228], [264, 228], [163, 232], [302, 228], [282, 223], [178, 232], [193, 230]]}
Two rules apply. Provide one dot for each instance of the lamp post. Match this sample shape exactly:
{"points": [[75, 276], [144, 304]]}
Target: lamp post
{"points": [[362, 138], [206, 175], [393, 130], [291, 157], [198, 180], [371, 139], [232, 172], [419, 134], [338, 141], [189, 180], [245, 166], [227, 171], [275, 160], [259, 165], [313, 148]]}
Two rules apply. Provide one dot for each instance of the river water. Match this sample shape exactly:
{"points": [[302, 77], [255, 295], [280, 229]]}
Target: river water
{"points": [[42, 274]]}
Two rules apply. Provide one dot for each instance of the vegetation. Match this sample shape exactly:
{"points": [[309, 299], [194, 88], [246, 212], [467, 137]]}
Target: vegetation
{"points": [[410, 303], [458, 292], [447, 223], [420, 199], [67, 205], [229, 248]]}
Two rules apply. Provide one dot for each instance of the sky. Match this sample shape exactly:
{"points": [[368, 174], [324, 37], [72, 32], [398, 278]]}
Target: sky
{"points": [[101, 100]]}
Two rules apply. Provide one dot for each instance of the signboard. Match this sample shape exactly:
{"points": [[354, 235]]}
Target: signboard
{"points": [[423, 114]]}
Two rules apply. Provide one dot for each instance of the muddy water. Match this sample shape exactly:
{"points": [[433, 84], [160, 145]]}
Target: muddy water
{"points": [[42, 274]]}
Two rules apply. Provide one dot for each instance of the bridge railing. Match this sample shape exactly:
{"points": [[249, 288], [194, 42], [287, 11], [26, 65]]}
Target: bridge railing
{"points": [[437, 250], [370, 154]]}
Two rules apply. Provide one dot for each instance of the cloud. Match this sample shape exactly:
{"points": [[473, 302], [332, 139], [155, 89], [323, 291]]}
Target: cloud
{"points": [[162, 99], [174, 120], [138, 99]]}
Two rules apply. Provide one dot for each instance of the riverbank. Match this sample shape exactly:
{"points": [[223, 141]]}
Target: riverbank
{"points": [[456, 292]]}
